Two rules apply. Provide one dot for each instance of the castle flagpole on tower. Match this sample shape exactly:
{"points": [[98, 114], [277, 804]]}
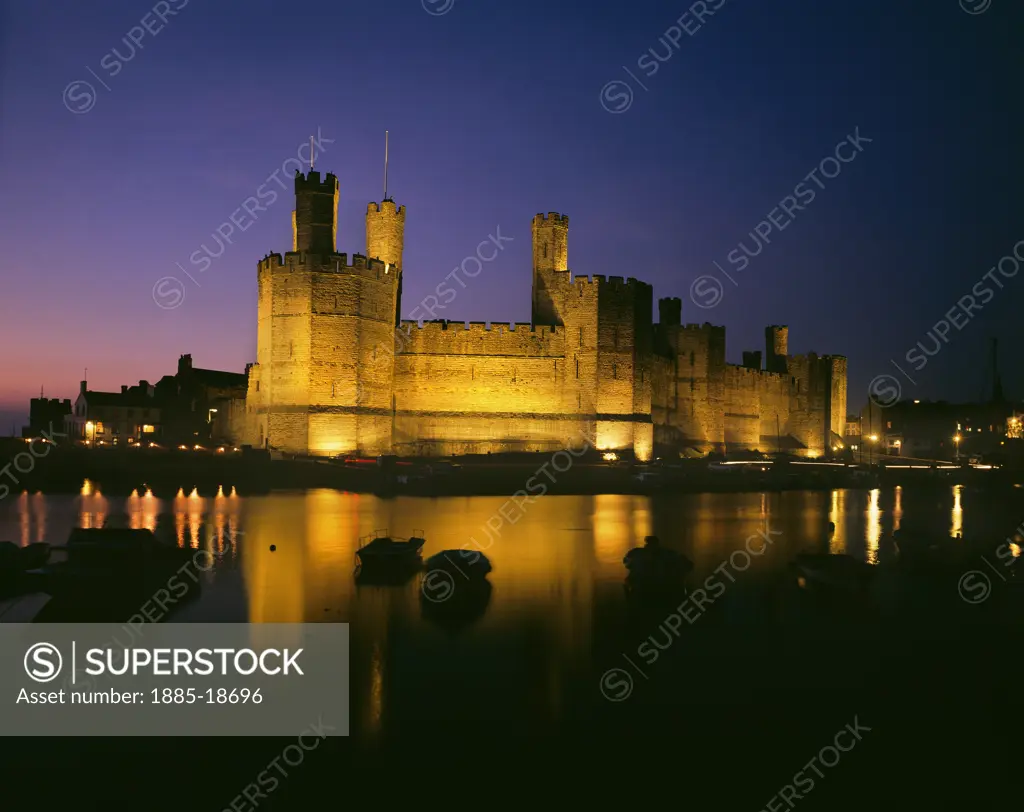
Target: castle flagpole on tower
{"points": [[311, 153], [385, 164]]}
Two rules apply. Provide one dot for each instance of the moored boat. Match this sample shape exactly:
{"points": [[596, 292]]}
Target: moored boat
{"points": [[381, 551], [468, 564], [654, 565]]}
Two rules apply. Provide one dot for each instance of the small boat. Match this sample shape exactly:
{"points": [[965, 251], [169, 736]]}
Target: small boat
{"points": [[833, 571], [468, 564], [380, 551], [654, 564]]}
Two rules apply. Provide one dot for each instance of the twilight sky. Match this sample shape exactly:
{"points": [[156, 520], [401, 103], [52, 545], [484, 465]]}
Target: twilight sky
{"points": [[497, 111]]}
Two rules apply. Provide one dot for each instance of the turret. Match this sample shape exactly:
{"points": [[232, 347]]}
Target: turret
{"points": [[315, 219], [670, 312], [385, 232], [776, 341], [550, 266]]}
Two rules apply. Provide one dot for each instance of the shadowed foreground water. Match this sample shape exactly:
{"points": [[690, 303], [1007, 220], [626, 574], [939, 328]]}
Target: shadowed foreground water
{"points": [[556, 654]]}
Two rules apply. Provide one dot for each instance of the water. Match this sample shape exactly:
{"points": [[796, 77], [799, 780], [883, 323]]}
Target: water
{"points": [[534, 666]]}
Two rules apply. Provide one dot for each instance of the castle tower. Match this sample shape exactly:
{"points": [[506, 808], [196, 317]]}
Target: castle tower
{"points": [[776, 345], [385, 240], [550, 267], [385, 232], [315, 219], [323, 379]]}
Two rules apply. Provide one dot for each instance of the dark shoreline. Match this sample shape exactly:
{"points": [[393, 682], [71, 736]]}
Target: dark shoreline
{"points": [[120, 472]]}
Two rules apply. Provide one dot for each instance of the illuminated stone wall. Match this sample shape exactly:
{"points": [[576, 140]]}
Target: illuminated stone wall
{"points": [[333, 375]]}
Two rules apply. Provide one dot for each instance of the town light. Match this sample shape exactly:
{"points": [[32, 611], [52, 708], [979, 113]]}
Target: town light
{"points": [[873, 438], [610, 456]]}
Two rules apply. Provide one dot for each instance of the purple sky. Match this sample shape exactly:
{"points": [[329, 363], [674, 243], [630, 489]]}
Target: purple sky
{"points": [[495, 114]]}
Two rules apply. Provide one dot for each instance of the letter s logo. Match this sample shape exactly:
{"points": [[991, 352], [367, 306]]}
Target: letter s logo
{"points": [[43, 662]]}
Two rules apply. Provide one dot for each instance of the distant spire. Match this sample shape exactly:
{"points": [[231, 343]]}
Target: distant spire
{"points": [[311, 153], [385, 164], [40, 392]]}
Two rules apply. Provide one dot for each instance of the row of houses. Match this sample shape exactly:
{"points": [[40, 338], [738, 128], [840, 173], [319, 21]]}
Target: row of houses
{"points": [[938, 429], [195, 406]]}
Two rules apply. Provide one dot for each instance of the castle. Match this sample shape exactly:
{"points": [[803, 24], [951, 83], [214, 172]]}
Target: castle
{"points": [[338, 371]]}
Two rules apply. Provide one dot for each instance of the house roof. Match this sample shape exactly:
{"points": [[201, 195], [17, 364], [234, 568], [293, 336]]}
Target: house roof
{"points": [[215, 377], [127, 399]]}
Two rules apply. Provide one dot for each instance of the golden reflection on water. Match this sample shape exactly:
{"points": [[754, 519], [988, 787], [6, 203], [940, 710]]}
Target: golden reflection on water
{"points": [[143, 510], [873, 525], [836, 514], [897, 509], [616, 528], [93, 506], [956, 521], [554, 563]]}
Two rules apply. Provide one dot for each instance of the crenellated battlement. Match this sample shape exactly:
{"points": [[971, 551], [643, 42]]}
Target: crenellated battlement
{"points": [[551, 218], [321, 263], [480, 338], [706, 327], [312, 182], [599, 280], [386, 207], [335, 375], [740, 372]]}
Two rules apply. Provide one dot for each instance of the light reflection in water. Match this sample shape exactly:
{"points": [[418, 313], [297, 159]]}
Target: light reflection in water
{"points": [[93, 506], [143, 510], [897, 509], [614, 530], [957, 516], [836, 515], [873, 526], [25, 528], [554, 568]]}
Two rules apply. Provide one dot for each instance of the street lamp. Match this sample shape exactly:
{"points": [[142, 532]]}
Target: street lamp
{"points": [[956, 445], [90, 426], [871, 448]]}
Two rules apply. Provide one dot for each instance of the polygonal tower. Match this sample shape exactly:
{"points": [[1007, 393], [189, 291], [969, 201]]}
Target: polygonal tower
{"points": [[385, 240], [550, 267], [323, 379], [315, 219]]}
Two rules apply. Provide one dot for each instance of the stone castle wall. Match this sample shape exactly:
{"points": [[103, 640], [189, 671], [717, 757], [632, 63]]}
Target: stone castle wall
{"points": [[337, 372]]}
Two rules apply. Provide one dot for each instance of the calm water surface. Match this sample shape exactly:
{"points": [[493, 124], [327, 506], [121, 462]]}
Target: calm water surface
{"points": [[557, 613]]}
